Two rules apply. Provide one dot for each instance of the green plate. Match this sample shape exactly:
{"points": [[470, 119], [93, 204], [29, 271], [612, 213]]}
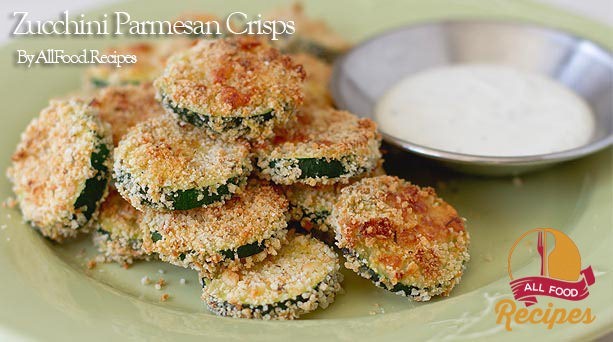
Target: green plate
{"points": [[47, 292]]}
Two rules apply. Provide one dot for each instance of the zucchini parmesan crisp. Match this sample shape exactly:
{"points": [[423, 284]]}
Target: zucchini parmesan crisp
{"points": [[163, 165], [322, 146], [61, 167], [243, 231], [118, 235], [401, 237], [232, 87], [301, 277], [124, 106]]}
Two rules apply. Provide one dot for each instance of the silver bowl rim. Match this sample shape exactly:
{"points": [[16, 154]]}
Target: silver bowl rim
{"points": [[463, 158]]}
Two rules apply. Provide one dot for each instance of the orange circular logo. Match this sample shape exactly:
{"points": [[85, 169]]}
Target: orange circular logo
{"points": [[560, 274]]}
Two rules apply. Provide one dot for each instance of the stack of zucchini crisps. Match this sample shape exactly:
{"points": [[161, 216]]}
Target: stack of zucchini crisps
{"points": [[202, 158]]}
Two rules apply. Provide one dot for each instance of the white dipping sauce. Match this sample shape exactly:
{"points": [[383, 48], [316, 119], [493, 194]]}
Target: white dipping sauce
{"points": [[488, 110]]}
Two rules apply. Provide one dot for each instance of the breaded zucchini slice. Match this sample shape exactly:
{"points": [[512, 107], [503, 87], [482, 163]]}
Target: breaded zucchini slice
{"points": [[118, 235], [312, 36], [163, 165], [60, 170], [246, 228], [150, 61], [322, 146], [124, 106], [301, 277], [316, 82], [233, 87], [402, 237], [311, 206]]}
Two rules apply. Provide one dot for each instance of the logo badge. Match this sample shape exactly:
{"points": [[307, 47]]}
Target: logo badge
{"points": [[560, 275]]}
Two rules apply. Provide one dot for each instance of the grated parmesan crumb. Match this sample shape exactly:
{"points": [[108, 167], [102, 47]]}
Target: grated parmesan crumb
{"points": [[311, 206], [164, 297], [145, 280], [10, 203], [315, 84], [232, 78], [320, 133], [160, 283], [122, 107], [197, 238], [400, 235], [52, 164], [309, 32], [301, 277], [157, 159], [117, 235]]}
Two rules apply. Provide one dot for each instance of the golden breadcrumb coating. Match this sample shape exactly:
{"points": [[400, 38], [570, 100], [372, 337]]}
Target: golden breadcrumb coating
{"points": [[118, 235], [311, 206], [236, 78], [301, 277], [320, 133], [158, 158], [201, 238], [309, 31], [124, 106], [52, 163], [405, 234], [318, 75]]}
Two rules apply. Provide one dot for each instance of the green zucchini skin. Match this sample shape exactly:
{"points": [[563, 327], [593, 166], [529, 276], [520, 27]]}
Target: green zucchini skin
{"points": [[230, 254], [104, 232], [314, 167], [244, 250], [310, 47], [204, 120], [195, 198], [318, 167], [107, 234], [189, 198], [326, 237], [398, 288], [99, 83], [268, 308], [329, 285], [95, 186], [155, 236]]}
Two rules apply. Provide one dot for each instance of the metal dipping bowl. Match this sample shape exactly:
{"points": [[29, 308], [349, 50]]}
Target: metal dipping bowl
{"points": [[365, 73]]}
